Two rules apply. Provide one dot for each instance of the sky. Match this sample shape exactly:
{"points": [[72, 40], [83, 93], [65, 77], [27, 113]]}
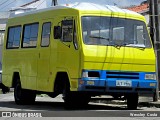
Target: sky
{"points": [[6, 5]]}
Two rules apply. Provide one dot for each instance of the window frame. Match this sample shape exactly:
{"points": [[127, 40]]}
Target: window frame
{"points": [[30, 24], [63, 25], [126, 42], [49, 34], [13, 36]]}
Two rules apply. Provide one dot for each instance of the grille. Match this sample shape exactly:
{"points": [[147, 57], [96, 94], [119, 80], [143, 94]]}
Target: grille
{"points": [[122, 75]]}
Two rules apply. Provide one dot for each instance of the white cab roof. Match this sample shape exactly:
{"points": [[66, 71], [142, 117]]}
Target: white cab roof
{"points": [[82, 6]]}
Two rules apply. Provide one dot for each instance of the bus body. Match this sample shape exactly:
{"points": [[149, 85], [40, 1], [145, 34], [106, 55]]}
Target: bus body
{"points": [[79, 51]]}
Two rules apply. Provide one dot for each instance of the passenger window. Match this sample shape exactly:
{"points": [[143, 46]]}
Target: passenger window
{"points": [[14, 35], [30, 35], [46, 30], [67, 30]]}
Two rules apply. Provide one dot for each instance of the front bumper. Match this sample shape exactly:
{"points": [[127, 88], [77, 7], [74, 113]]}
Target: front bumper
{"points": [[108, 85]]}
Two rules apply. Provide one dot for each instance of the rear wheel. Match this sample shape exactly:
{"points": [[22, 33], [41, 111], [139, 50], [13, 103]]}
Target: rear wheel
{"points": [[23, 96], [132, 101]]}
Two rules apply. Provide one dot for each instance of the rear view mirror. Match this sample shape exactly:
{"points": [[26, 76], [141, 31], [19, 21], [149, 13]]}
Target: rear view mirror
{"points": [[57, 32]]}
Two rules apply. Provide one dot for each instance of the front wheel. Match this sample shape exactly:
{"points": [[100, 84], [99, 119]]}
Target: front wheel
{"points": [[67, 96], [132, 101], [23, 96], [75, 99]]}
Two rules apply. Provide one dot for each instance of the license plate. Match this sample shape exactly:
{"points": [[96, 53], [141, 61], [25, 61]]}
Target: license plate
{"points": [[124, 83], [90, 82]]}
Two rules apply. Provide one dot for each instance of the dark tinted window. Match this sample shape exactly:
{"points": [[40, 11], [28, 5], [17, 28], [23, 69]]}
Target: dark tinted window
{"points": [[14, 35], [30, 35], [46, 30]]}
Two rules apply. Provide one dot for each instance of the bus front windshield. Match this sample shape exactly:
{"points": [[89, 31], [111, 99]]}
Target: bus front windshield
{"points": [[106, 31]]}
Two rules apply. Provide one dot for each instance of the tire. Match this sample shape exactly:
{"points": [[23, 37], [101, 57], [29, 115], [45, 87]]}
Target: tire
{"points": [[23, 96], [67, 96], [132, 101], [155, 97], [75, 99]]}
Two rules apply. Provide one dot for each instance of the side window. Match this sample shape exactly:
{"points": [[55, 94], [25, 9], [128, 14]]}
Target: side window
{"points": [[75, 42], [14, 36], [46, 30], [67, 30], [30, 35]]}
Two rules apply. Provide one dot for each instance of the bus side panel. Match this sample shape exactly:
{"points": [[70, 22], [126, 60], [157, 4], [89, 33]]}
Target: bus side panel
{"points": [[68, 58], [6, 80]]}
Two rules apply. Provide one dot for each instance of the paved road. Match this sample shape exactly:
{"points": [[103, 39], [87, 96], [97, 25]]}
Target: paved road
{"points": [[45, 103], [55, 107]]}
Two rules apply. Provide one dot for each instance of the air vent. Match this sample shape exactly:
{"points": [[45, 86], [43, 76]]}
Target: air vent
{"points": [[122, 75]]}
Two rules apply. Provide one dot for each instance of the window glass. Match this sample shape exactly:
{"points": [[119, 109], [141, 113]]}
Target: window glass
{"points": [[26, 36], [67, 30], [14, 35], [75, 42], [30, 35], [96, 30], [34, 32], [118, 26], [140, 34], [114, 31], [118, 35], [46, 30], [10, 38]]}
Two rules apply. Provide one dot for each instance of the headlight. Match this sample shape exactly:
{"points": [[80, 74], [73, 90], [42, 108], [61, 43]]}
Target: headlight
{"points": [[150, 76], [85, 74]]}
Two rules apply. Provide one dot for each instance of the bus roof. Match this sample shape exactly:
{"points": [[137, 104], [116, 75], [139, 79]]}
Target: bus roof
{"points": [[82, 6]]}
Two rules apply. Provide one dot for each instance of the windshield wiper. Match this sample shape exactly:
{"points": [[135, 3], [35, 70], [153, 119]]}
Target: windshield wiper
{"points": [[99, 37], [118, 46], [140, 46]]}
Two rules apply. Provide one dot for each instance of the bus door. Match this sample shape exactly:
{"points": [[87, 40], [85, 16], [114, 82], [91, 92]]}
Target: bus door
{"points": [[68, 50], [44, 56], [73, 54]]}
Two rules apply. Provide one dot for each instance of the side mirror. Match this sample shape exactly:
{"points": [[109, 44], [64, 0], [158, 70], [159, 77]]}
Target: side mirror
{"points": [[57, 32]]}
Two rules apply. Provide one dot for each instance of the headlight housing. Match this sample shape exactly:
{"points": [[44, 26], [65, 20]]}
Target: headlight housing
{"points": [[150, 76]]}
